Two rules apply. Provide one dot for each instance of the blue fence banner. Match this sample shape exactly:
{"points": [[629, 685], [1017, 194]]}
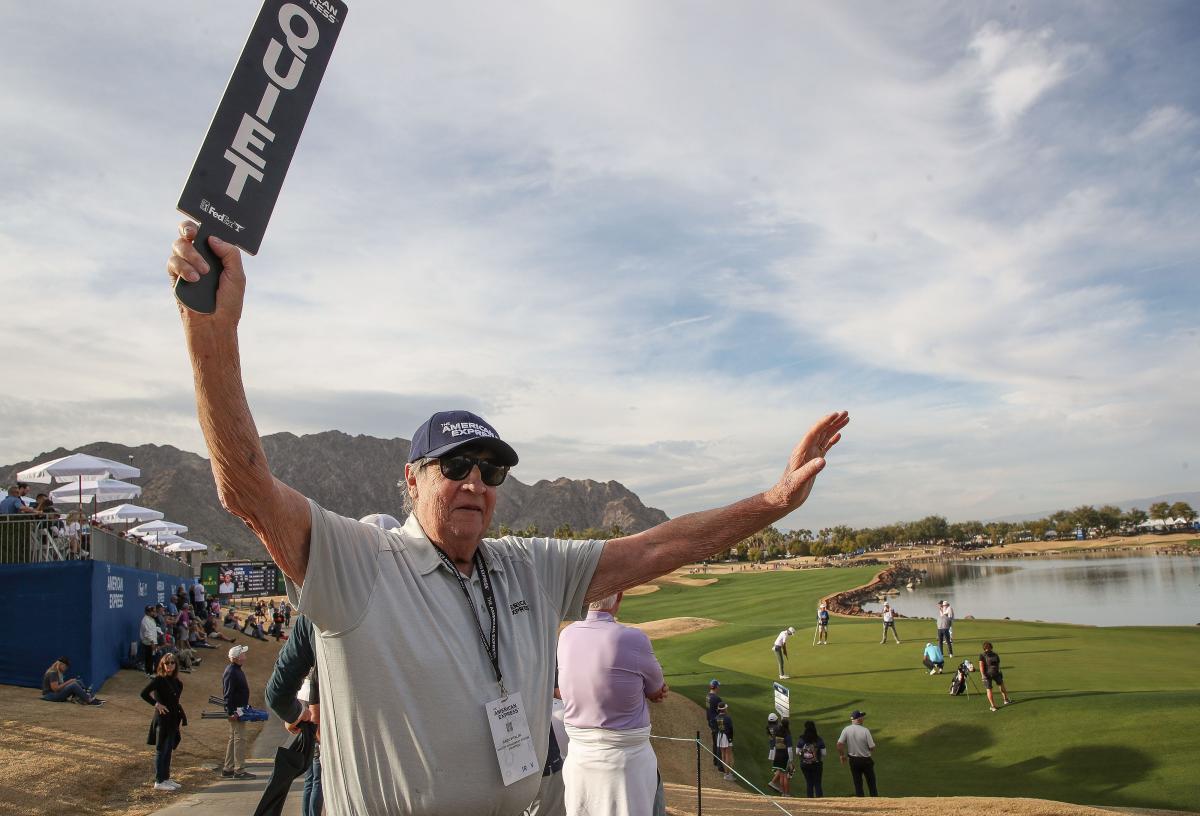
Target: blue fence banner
{"points": [[86, 611]]}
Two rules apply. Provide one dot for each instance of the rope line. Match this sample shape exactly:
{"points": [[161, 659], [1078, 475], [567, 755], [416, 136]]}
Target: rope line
{"points": [[708, 751]]}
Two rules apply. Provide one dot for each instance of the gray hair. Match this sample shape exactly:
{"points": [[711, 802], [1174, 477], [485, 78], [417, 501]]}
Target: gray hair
{"points": [[604, 603], [407, 502]]}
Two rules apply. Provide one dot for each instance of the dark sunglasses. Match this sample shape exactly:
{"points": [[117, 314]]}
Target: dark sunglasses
{"points": [[457, 468]]}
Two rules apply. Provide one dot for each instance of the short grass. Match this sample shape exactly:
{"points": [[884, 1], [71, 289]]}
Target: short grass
{"points": [[1102, 716]]}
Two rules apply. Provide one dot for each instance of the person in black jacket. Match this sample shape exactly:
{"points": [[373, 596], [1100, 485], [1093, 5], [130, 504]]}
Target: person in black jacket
{"points": [[989, 667], [236, 692], [296, 661], [163, 692]]}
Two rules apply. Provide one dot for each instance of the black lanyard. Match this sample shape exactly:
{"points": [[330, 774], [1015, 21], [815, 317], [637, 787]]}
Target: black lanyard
{"points": [[489, 600]]}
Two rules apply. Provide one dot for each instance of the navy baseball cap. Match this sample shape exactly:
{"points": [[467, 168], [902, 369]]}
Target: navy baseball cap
{"points": [[446, 431]]}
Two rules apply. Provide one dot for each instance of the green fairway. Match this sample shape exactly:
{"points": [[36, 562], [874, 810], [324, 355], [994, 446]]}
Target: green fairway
{"points": [[1100, 716]]}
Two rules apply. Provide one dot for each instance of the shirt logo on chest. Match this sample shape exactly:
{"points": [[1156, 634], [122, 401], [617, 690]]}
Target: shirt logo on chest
{"points": [[518, 606]]}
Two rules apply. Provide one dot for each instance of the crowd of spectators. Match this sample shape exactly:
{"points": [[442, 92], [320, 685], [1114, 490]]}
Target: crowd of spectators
{"points": [[68, 534]]}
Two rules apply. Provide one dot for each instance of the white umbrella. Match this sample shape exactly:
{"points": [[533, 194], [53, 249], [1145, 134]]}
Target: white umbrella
{"points": [[75, 466], [162, 538], [127, 513], [102, 490], [159, 525], [183, 545]]}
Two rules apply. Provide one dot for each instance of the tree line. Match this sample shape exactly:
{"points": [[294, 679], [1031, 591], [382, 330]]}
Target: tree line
{"points": [[933, 530], [771, 543]]}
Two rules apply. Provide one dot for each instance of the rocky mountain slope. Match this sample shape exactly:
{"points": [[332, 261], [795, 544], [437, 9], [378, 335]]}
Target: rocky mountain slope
{"points": [[351, 475]]}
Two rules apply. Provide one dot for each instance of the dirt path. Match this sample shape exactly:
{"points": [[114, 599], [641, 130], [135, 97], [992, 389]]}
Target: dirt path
{"points": [[65, 758]]}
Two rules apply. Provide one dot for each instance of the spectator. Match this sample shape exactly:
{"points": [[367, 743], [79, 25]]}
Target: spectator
{"points": [[811, 754], [405, 605], [711, 701], [236, 692], [607, 673], [199, 603], [295, 662], [551, 795], [779, 738], [13, 504], [212, 630], [933, 659], [856, 746], [725, 738], [253, 627], [164, 692], [148, 636], [56, 688]]}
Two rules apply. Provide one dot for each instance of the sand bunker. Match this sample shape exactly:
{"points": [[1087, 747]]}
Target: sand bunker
{"points": [[644, 589], [688, 582], [669, 627]]}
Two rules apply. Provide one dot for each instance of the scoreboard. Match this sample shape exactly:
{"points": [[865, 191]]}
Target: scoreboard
{"points": [[238, 579]]}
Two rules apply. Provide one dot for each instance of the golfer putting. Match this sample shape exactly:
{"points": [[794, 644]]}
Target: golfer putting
{"points": [[780, 649]]}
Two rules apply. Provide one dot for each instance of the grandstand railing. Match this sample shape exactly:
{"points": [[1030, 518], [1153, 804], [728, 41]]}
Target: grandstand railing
{"points": [[26, 540]]}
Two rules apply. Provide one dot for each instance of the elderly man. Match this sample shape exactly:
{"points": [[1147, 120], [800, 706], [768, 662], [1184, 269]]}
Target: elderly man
{"points": [[607, 672], [433, 625]]}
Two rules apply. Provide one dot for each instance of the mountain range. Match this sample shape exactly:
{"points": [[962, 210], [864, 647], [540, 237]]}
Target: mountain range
{"points": [[350, 475]]}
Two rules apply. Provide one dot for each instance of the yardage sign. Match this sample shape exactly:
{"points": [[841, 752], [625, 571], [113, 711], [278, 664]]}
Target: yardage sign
{"points": [[783, 700]]}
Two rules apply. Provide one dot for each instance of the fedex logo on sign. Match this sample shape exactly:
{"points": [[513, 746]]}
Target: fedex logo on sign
{"points": [[245, 153]]}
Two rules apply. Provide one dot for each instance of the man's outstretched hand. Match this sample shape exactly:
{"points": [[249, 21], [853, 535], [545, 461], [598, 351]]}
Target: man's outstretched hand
{"points": [[807, 460]]}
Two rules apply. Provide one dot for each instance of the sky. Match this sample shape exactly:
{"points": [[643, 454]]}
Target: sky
{"points": [[650, 242]]}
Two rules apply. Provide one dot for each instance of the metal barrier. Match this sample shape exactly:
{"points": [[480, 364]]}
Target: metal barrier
{"points": [[701, 749], [47, 540]]}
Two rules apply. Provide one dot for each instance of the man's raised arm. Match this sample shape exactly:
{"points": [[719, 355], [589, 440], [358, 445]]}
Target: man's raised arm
{"points": [[632, 560], [276, 513]]}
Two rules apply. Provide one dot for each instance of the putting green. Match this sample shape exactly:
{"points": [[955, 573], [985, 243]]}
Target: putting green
{"points": [[1101, 716]]}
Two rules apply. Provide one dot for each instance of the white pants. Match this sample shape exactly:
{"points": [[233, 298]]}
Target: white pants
{"points": [[610, 773]]}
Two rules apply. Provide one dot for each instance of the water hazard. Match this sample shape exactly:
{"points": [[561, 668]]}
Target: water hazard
{"points": [[1140, 590]]}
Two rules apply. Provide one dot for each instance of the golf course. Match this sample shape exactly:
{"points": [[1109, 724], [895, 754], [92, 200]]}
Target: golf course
{"points": [[1100, 716]]}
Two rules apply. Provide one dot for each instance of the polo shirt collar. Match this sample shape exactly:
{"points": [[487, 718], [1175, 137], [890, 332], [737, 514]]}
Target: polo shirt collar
{"points": [[597, 615], [425, 557]]}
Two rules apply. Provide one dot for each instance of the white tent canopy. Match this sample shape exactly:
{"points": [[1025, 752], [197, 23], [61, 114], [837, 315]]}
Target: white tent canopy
{"points": [[159, 525], [127, 513], [183, 545], [100, 490], [162, 538], [75, 466]]}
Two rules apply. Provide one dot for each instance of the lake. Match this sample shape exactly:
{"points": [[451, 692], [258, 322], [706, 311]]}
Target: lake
{"points": [[1100, 590]]}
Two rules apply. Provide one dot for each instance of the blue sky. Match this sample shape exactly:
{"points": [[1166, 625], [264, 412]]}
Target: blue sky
{"points": [[652, 242]]}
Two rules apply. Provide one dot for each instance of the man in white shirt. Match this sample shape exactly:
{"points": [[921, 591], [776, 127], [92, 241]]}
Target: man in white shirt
{"points": [[780, 649], [148, 638]]}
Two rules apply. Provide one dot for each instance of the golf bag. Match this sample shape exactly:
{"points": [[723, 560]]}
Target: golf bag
{"points": [[959, 684]]}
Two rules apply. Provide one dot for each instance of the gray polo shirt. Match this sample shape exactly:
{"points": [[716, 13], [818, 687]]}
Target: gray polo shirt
{"points": [[404, 676], [856, 738]]}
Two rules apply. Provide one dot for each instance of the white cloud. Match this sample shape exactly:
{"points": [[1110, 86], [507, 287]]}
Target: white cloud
{"points": [[651, 243]]}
